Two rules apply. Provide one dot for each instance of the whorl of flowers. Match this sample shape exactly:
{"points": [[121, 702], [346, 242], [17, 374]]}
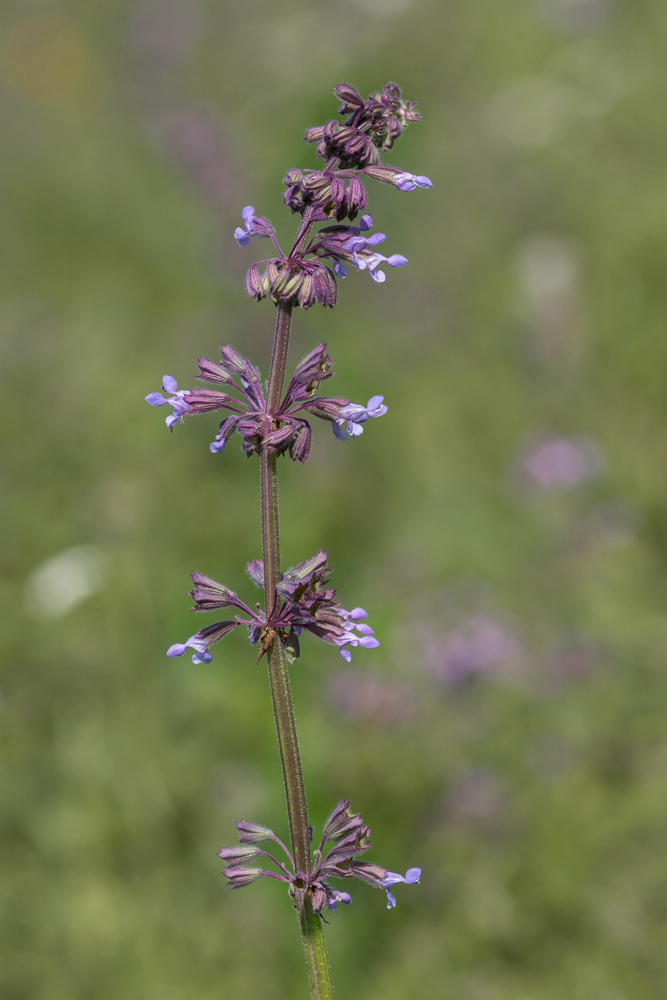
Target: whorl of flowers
{"points": [[348, 837], [305, 602]]}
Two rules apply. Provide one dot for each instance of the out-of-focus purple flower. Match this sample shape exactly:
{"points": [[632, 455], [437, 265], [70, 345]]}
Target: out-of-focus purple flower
{"points": [[571, 658], [372, 262], [177, 400], [356, 415], [411, 876], [201, 147], [480, 644], [357, 695], [477, 796], [405, 181], [165, 30], [560, 463]]}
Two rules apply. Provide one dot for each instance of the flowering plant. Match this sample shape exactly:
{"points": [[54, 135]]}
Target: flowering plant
{"points": [[274, 422]]}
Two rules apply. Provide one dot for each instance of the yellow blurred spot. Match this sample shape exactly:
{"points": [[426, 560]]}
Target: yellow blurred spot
{"points": [[48, 62]]}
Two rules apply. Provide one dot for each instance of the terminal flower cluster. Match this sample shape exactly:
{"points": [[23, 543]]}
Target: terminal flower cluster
{"points": [[304, 602], [351, 150], [348, 836]]}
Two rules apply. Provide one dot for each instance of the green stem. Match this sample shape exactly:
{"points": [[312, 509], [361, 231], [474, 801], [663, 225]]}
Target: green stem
{"points": [[316, 952], [281, 694]]}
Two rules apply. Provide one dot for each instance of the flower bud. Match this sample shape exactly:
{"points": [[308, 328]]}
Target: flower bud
{"points": [[252, 833], [239, 877], [341, 821], [253, 283], [209, 594], [232, 360], [318, 898], [206, 400], [239, 852], [209, 371], [306, 295], [300, 445]]}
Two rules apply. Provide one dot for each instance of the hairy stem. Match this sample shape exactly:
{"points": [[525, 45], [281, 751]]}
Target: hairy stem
{"points": [[316, 952], [281, 694]]}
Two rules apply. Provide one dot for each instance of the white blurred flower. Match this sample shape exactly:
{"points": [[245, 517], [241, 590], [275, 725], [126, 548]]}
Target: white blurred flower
{"points": [[61, 582]]}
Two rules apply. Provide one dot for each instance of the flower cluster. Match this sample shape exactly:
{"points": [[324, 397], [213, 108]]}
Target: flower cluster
{"points": [[352, 152], [285, 429], [303, 279], [305, 602], [348, 836]]}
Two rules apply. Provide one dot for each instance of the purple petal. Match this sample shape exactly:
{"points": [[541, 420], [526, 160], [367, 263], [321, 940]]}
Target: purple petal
{"points": [[172, 420], [248, 212], [217, 447], [353, 411], [374, 402], [391, 878], [397, 260], [346, 654], [366, 222], [169, 384], [243, 239], [354, 430], [357, 614], [375, 239], [391, 900], [364, 629], [177, 649], [378, 276], [369, 642], [339, 432], [412, 875], [155, 399], [204, 657], [340, 269], [423, 182]]}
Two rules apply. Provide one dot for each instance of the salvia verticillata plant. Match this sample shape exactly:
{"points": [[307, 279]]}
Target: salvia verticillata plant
{"points": [[272, 422]]}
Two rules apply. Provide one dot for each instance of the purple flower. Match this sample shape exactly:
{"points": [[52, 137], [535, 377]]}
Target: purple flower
{"points": [[177, 400], [356, 243], [201, 653], [334, 897], [254, 226], [365, 638], [356, 415], [372, 262], [242, 236], [412, 875], [405, 181]]}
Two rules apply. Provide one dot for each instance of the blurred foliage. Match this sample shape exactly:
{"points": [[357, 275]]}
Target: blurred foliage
{"points": [[509, 733]]}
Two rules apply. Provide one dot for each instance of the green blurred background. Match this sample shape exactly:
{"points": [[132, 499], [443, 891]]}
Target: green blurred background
{"points": [[504, 524]]}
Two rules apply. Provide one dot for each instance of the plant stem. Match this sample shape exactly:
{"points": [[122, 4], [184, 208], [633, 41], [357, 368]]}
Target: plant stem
{"points": [[283, 709], [316, 952]]}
